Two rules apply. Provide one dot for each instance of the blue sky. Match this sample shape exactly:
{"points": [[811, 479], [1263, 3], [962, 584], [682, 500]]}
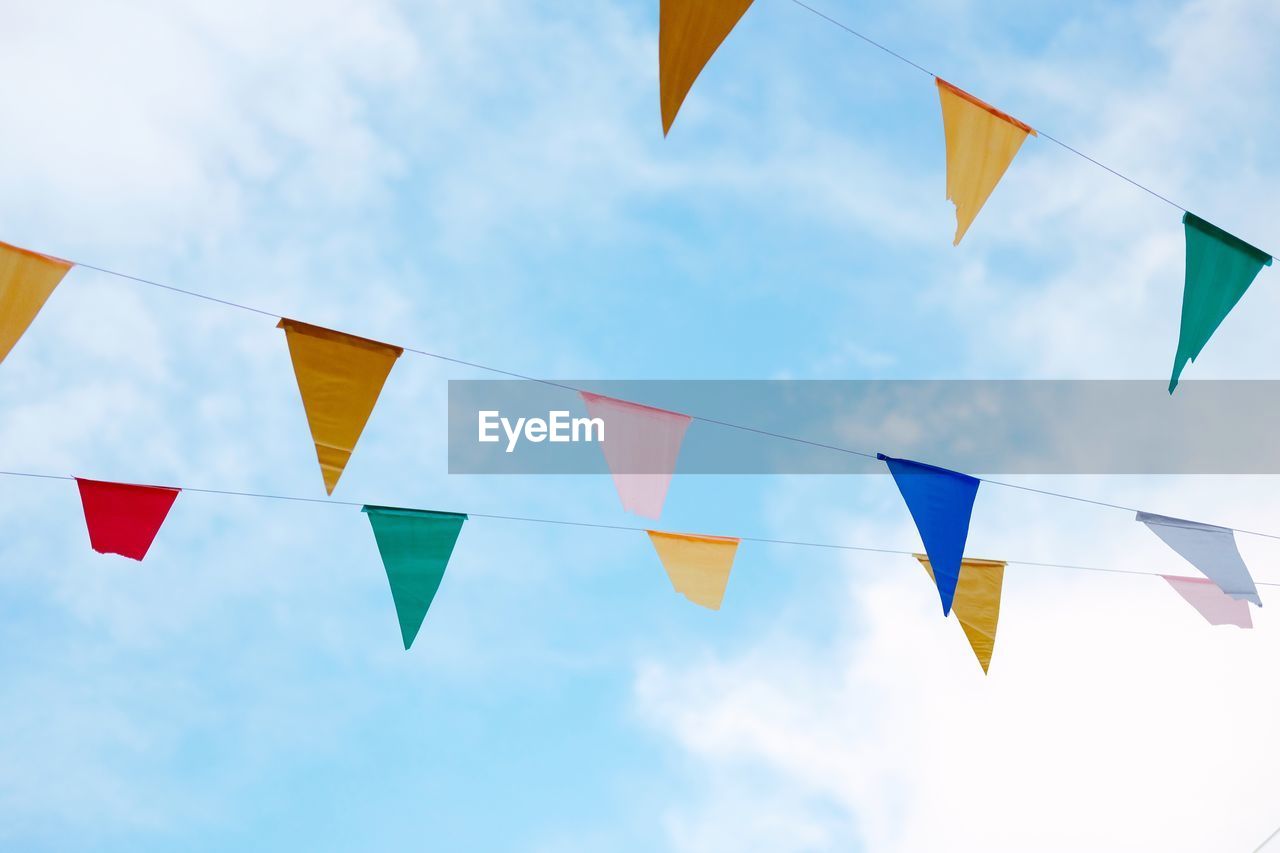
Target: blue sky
{"points": [[489, 180]]}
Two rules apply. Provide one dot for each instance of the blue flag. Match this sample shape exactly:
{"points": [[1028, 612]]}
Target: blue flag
{"points": [[941, 503]]}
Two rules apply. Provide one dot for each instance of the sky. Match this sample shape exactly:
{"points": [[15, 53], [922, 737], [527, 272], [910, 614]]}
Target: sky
{"points": [[489, 180]]}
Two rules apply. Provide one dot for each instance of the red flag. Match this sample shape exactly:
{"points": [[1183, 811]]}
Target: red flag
{"points": [[123, 518]]}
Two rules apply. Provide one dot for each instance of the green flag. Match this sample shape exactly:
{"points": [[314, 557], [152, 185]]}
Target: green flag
{"points": [[1220, 268], [415, 545]]}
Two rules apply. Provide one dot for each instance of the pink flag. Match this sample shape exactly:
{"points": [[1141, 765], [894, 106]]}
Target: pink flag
{"points": [[641, 445], [1214, 605]]}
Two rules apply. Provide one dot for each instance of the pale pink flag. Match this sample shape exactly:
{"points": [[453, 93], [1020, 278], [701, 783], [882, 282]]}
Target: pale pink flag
{"points": [[641, 444], [1213, 604]]}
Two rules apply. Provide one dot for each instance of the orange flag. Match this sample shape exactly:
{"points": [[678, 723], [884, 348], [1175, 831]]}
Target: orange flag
{"points": [[339, 377], [698, 566], [977, 603], [981, 143], [26, 280], [689, 31]]}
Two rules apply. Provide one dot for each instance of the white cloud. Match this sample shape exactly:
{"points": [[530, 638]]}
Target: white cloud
{"points": [[147, 128]]}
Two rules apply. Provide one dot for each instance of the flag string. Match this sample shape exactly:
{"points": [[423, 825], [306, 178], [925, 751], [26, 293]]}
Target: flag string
{"points": [[714, 421], [622, 527], [722, 423], [851, 31]]}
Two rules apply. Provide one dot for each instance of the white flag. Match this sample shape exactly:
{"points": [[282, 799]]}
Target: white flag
{"points": [[1210, 549]]}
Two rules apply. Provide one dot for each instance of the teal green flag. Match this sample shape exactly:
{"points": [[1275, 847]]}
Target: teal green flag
{"points": [[415, 545], [1220, 268]]}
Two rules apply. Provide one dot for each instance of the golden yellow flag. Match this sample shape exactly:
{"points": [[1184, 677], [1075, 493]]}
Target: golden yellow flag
{"points": [[981, 143], [26, 280], [697, 565], [689, 31], [340, 377], [977, 603]]}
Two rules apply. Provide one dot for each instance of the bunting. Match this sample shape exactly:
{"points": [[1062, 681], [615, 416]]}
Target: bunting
{"points": [[941, 504], [640, 445], [26, 280], [1220, 268], [124, 518], [1210, 549], [977, 603], [698, 566], [1212, 603], [415, 546], [689, 32], [340, 377], [981, 143]]}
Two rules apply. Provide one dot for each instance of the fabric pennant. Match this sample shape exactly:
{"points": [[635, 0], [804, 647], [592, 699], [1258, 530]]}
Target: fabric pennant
{"points": [[698, 566], [640, 445], [689, 32], [26, 281], [981, 143], [941, 504], [340, 377], [1210, 549], [1220, 268], [977, 603], [415, 546], [1212, 603], [124, 518]]}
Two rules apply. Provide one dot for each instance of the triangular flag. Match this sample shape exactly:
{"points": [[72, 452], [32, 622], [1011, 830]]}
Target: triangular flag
{"points": [[1213, 604], [689, 32], [124, 518], [640, 444], [1210, 549], [415, 546], [26, 280], [698, 566], [941, 503], [1220, 268], [981, 143], [977, 603], [340, 377]]}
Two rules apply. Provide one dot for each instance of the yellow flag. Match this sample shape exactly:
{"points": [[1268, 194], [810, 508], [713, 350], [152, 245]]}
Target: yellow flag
{"points": [[977, 603], [340, 377], [697, 565], [26, 280], [981, 143], [689, 31]]}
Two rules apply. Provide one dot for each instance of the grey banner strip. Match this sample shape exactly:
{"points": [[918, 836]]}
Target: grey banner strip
{"points": [[978, 426]]}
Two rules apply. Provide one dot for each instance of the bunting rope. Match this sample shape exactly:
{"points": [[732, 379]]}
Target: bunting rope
{"points": [[727, 424], [340, 377], [1268, 840], [851, 31], [621, 527]]}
